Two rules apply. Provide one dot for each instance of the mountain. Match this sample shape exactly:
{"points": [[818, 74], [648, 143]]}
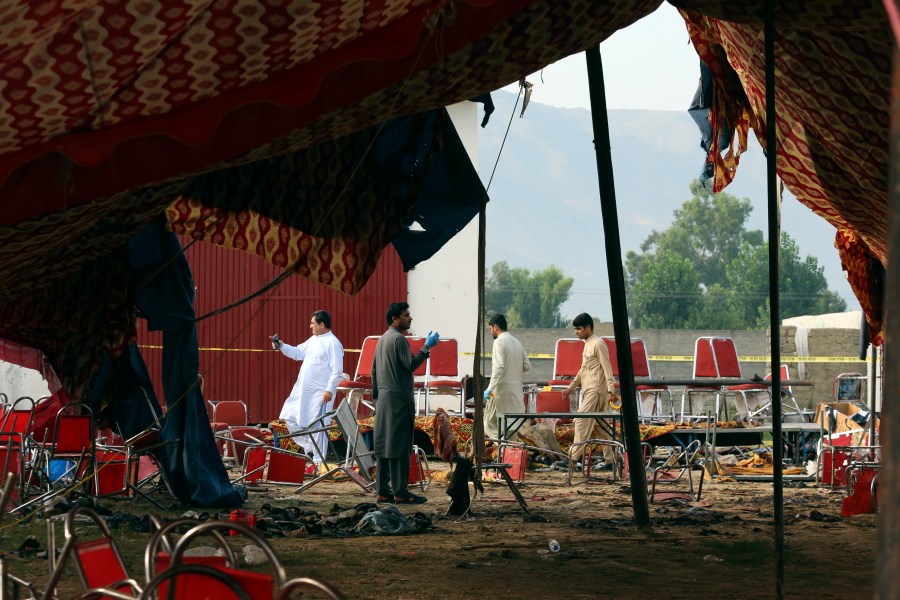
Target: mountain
{"points": [[544, 204]]}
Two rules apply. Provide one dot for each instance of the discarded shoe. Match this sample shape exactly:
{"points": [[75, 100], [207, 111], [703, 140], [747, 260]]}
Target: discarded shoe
{"points": [[563, 465], [411, 499], [385, 499]]}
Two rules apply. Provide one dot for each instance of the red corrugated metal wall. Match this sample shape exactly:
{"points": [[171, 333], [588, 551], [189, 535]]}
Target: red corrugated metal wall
{"points": [[236, 360]]}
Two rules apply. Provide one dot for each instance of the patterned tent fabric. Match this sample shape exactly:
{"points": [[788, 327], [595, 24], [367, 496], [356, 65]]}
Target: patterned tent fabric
{"points": [[116, 113], [109, 109], [833, 81]]}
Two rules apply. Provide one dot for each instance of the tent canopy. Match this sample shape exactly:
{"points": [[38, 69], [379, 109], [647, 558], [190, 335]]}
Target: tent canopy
{"points": [[113, 114]]}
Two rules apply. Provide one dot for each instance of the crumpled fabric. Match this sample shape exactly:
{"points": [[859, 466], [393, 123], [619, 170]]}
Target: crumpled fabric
{"points": [[387, 521]]}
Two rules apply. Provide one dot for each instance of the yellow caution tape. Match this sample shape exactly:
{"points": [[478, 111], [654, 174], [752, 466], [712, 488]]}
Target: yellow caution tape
{"points": [[656, 357]]}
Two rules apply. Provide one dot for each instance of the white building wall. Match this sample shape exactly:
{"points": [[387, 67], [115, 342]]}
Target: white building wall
{"points": [[443, 290], [16, 381]]}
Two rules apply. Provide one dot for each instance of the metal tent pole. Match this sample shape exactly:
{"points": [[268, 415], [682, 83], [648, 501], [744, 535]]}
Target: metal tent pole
{"points": [[774, 308], [887, 563], [477, 387], [600, 121]]}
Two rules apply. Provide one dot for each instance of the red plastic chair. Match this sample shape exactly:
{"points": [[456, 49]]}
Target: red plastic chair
{"points": [[361, 385], [17, 446], [257, 585], [640, 364], [97, 561], [443, 373], [566, 361], [704, 367], [552, 402], [238, 439], [73, 441], [788, 402], [231, 412], [197, 581], [267, 464], [420, 375], [729, 366]]}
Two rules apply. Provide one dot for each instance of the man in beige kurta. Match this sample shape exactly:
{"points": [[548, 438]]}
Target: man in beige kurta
{"points": [[504, 393], [597, 386]]}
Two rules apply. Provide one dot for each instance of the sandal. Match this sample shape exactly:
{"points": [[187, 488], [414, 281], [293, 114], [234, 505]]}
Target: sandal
{"points": [[385, 499]]}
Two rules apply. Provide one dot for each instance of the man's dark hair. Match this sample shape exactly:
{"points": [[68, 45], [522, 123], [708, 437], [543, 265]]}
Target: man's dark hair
{"points": [[583, 320], [395, 310], [322, 316], [498, 320]]}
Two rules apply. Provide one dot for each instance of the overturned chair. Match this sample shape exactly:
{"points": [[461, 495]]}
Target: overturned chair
{"points": [[359, 461], [679, 467]]}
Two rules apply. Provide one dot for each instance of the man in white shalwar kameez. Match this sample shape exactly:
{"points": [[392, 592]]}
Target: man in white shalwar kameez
{"points": [[504, 393], [320, 373]]}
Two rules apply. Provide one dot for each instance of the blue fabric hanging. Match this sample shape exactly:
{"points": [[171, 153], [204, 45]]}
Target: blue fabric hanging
{"points": [[164, 295], [428, 159]]}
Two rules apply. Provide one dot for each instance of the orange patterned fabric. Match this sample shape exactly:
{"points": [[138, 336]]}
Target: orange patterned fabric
{"points": [[866, 277], [833, 85], [96, 141]]}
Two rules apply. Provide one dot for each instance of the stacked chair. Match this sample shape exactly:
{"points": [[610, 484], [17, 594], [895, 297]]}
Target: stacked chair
{"points": [[168, 572]]}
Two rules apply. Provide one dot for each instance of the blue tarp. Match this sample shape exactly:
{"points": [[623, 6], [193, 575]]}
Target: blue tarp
{"points": [[164, 294]]}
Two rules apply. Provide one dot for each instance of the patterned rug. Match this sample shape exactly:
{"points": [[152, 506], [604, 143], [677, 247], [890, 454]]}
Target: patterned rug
{"points": [[462, 428]]}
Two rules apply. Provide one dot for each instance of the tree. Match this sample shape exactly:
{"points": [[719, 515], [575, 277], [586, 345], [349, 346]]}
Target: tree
{"points": [[666, 296], [527, 300], [731, 268], [803, 289], [708, 230]]}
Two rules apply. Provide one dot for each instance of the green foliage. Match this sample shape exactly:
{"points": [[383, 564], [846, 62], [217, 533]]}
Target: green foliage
{"points": [[708, 230], [527, 300], [731, 285], [666, 296]]}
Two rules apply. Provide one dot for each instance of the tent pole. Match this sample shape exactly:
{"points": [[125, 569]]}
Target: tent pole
{"points": [[600, 121], [887, 562], [774, 308], [478, 388]]}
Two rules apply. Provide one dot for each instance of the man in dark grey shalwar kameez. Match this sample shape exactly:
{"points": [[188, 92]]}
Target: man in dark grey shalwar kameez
{"points": [[395, 406]]}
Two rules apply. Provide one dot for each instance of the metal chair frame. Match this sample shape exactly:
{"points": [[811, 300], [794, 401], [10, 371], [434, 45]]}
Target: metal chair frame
{"points": [[640, 362], [345, 421], [105, 544], [442, 373]]}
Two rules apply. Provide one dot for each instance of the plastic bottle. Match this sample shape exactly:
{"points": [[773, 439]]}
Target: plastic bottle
{"points": [[554, 546]]}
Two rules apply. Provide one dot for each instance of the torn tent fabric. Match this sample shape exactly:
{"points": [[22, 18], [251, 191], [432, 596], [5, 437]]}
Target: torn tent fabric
{"points": [[327, 212], [449, 191], [833, 87], [164, 294]]}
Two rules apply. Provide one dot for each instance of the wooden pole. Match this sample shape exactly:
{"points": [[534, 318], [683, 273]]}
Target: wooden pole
{"points": [[630, 426]]}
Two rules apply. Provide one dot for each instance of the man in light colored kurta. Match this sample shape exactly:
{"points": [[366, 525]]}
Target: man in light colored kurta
{"points": [[504, 393], [597, 386], [320, 373]]}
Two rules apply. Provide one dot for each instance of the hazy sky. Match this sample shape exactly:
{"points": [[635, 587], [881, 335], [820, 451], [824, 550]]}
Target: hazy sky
{"points": [[652, 65], [649, 65]]}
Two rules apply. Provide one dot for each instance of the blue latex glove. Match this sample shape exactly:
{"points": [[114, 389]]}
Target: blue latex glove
{"points": [[487, 394], [431, 340]]}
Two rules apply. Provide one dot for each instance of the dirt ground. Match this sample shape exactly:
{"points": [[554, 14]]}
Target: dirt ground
{"points": [[719, 547]]}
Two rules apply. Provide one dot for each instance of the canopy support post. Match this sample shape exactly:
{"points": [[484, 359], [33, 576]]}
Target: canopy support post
{"points": [[477, 387], [600, 121], [774, 308], [887, 561]]}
